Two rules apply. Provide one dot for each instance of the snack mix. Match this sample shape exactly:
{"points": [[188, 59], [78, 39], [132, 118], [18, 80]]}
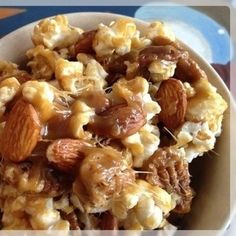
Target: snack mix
{"points": [[99, 129]]}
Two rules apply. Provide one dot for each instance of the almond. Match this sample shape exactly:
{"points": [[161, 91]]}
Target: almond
{"points": [[172, 98], [119, 121], [64, 154], [21, 132]]}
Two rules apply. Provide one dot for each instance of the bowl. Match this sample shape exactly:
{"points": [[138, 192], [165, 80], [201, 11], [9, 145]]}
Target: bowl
{"points": [[211, 206]]}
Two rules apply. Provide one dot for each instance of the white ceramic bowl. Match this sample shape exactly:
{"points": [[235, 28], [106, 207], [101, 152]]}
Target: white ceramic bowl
{"points": [[211, 207]]}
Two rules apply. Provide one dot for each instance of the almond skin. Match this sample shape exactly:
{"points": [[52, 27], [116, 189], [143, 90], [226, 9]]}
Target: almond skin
{"points": [[64, 154], [21, 132], [172, 98], [119, 121]]}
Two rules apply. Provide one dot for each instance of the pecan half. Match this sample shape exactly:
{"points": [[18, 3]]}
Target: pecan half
{"points": [[187, 70], [169, 170], [152, 53]]}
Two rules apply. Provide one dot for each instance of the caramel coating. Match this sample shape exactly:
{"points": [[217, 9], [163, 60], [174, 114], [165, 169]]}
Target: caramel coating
{"points": [[102, 174], [118, 121]]}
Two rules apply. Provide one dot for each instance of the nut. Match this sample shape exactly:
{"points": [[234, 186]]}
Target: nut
{"points": [[153, 53], [169, 170], [108, 221], [188, 70], [119, 121], [173, 101], [64, 154], [85, 43], [21, 132]]}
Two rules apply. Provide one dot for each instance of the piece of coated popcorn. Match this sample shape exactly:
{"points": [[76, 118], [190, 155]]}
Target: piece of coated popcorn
{"points": [[81, 116], [9, 69], [136, 90], [206, 105], [142, 206], [55, 33], [159, 29], [190, 91], [8, 90], [117, 37], [161, 70], [41, 96], [42, 62], [76, 78], [143, 143], [39, 211], [139, 42], [63, 204], [196, 138]]}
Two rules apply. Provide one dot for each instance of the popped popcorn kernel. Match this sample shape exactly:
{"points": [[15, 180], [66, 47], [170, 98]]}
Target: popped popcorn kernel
{"points": [[8, 90], [41, 96], [42, 62], [159, 29], [55, 33], [82, 114]]}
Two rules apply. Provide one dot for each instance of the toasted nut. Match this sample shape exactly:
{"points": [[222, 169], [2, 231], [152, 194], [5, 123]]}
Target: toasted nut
{"points": [[169, 170], [85, 44], [119, 121], [96, 99], [163, 41], [64, 154], [108, 221], [152, 53], [72, 219], [173, 101], [188, 70], [21, 132]]}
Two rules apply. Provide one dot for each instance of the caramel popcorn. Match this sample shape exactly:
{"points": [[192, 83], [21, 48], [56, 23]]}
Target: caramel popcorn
{"points": [[9, 69], [161, 70], [101, 129], [159, 29], [42, 62], [143, 143], [8, 89], [197, 139], [41, 95], [108, 175], [40, 212], [141, 206], [76, 78], [55, 33], [206, 106], [136, 90], [82, 114], [118, 38]]}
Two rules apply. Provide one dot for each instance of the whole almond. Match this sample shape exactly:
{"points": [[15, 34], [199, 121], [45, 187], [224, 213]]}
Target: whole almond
{"points": [[21, 132], [118, 121], [172, 98], [64, 154]]}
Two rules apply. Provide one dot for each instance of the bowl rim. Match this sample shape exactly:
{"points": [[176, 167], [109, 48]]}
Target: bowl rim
{"points": [[196, 56]]}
